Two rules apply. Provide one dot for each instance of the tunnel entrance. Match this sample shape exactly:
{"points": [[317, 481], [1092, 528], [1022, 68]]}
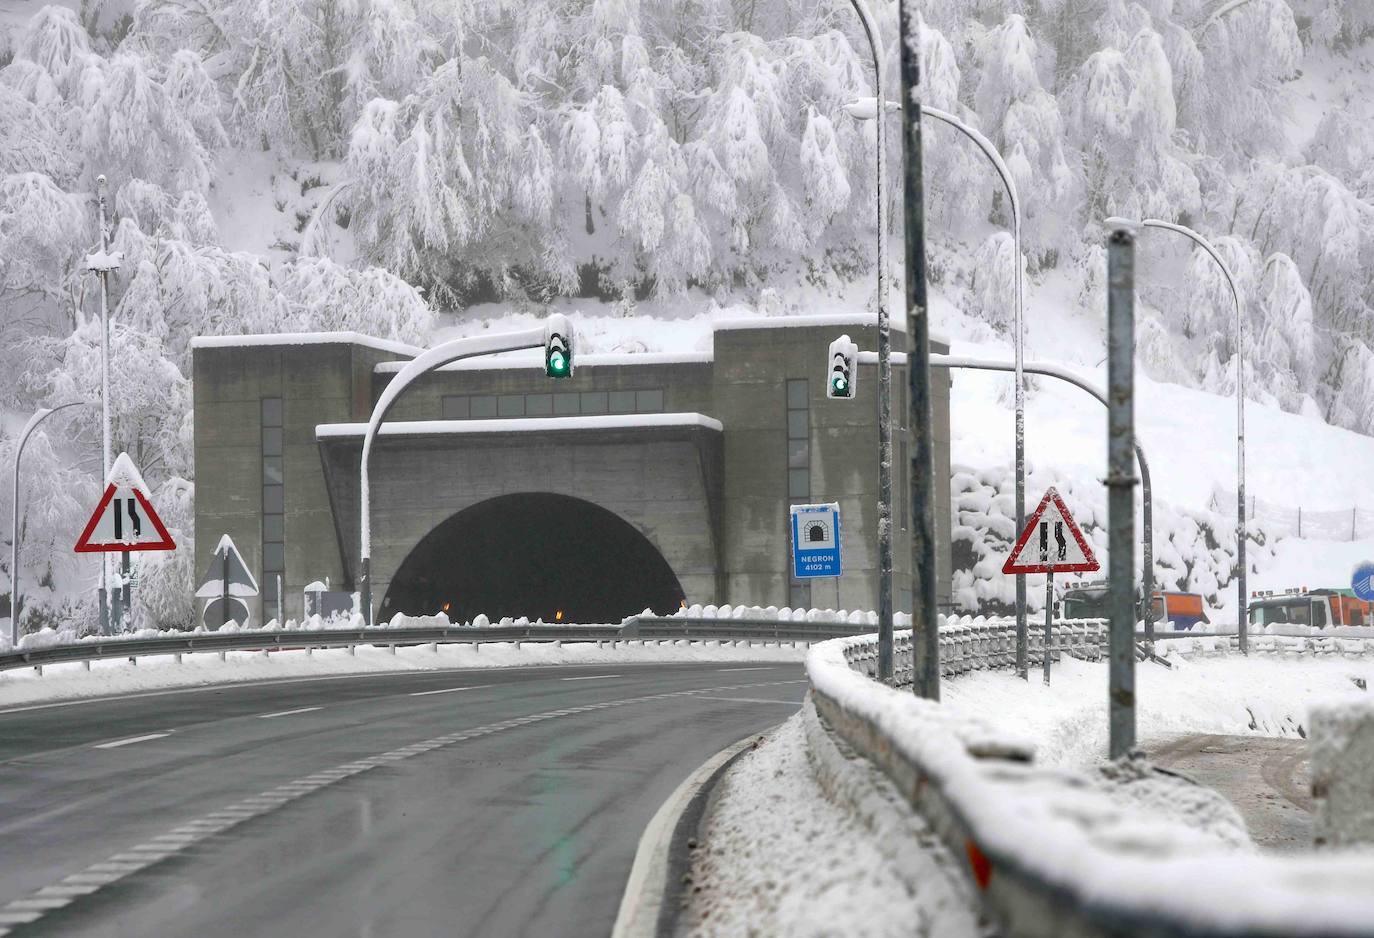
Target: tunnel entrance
{"points": [[537, 555]]}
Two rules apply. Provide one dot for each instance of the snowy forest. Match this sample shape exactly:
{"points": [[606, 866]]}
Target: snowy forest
{"points": [[444, 153]]}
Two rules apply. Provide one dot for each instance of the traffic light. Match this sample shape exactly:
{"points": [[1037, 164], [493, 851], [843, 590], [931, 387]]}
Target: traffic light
{"points": [[558, 351], [844, 371]]}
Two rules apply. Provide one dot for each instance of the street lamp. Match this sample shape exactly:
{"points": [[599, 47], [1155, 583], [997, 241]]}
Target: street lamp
{"points": [[867, 109], [1206, 245], [884, 366], [24, 435]]}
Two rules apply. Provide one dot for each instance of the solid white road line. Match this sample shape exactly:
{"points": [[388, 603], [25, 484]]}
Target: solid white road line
{"points": [[287, 713], [115, 744], [725, 670], [590, 677], [447, 690], [786, 703]]}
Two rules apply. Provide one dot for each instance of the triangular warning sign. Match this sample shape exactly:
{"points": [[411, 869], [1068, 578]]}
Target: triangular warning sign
{"points": [[1051, 542], [227, 564], [124, 519]]}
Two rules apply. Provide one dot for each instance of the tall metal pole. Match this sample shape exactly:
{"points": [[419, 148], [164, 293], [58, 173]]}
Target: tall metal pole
{"points": [[1121, 482], [925, 637], [106, 456], [1018, 342], [15, 606], [885, 609], [1242, 596]]}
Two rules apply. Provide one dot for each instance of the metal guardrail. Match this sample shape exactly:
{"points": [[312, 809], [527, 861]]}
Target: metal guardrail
{"points": [[702, 629], [296, 640], [943, 773], [984, 645], [637, 628]]}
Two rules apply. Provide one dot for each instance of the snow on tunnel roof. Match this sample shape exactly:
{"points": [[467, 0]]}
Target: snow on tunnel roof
{"points": [[535, 359], [326, 431], [305, 338]]}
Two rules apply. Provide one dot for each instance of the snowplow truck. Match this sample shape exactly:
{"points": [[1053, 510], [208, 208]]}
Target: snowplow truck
{"points": [[1318, 608], [1173, 611]]}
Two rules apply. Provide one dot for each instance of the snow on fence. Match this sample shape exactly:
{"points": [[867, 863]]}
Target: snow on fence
{"points": [[1050, 853], [1329, 524]]}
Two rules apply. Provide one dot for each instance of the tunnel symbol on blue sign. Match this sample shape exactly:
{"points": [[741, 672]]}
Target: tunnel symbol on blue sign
{"points": [[815, 541]]}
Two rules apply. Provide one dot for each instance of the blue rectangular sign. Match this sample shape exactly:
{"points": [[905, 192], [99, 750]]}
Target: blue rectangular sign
{"points": [[815, 541]]}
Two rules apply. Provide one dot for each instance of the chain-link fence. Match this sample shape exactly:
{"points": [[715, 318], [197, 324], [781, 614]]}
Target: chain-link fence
{"points": [[1324, 524]]}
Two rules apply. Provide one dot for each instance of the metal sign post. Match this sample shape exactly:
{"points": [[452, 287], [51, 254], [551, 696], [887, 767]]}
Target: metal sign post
{"points": [[1121, 482], [1050, 541]]}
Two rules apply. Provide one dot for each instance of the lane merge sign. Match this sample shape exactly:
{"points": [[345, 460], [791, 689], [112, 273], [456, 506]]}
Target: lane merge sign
{"points": [[124, 519], [816, 541], [1051, 542]]}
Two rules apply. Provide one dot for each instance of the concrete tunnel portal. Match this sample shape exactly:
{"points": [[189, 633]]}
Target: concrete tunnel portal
{"points": [[539, 555]]}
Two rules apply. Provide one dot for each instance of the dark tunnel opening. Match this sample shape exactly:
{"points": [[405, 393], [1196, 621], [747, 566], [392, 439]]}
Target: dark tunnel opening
{"points": [[538, 555]]}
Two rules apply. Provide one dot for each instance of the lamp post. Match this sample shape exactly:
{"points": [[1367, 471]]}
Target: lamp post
{"points": [[885, 608], [867, 109], [24, 435], [1207, 246], [102, 262]]}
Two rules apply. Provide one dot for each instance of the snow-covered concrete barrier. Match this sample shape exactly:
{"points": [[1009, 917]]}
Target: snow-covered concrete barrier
{"points": [[1341, 747], [1050, 852]]}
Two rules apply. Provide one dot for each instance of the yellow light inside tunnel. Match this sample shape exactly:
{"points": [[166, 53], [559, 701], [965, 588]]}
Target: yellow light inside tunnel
{"points": [[558, 616]]}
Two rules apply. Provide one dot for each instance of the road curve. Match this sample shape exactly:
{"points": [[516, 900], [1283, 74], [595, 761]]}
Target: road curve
{"points": [[476, 802]]}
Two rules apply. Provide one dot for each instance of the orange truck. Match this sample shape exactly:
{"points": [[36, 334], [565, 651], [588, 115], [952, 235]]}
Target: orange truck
{"points": [[1319, 608], [1173, 611]]}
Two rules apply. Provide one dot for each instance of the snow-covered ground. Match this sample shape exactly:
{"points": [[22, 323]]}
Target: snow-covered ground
{"points": [[162, 672], [1228, 695], [804, 841]]}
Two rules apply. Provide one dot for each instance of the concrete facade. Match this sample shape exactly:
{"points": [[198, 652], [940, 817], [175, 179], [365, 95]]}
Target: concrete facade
{"points": [[701, 464]]}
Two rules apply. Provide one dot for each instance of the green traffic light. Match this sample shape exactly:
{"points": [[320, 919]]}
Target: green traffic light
{"points": [[558, 364], [840, 384]]}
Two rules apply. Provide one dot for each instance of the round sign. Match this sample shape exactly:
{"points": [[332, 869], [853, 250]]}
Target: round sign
{"points": [[1362, 581]]}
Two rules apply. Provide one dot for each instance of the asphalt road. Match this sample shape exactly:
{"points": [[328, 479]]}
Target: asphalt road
{"points": [[1268, 779], [495, 802]]}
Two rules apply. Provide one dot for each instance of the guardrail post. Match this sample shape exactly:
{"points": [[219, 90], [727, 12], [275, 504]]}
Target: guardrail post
{"points": [[1121, 483]]}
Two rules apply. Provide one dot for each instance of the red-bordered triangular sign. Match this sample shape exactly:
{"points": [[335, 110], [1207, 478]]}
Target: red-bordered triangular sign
{"points": [[1051, 542], [124, 519]]}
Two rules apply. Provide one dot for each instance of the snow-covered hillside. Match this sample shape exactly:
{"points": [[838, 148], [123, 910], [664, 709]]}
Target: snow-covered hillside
{"points": [[412, 168]]}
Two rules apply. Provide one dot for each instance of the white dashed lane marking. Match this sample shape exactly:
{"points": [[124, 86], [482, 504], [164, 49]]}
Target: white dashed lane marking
{"points": [[448, 690], [178, 839], [590, 677], [116, 743], [287, 713]]}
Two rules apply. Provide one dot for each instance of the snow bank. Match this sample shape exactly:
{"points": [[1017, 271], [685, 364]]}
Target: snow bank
{"points": [[1055, 853], [804, 840]]}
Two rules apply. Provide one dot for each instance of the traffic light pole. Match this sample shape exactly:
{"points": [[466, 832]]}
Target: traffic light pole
{"points": [[451, 351]]}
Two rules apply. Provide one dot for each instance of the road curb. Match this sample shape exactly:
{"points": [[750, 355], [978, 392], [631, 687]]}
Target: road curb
{"points": [[647, 908]]}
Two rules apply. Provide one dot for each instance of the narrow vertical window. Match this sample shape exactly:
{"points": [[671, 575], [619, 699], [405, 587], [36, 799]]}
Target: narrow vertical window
{"points": [[798, 471], [273, 506]]}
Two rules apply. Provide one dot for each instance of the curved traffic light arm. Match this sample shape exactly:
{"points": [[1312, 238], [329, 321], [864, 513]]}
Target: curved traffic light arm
{"points": [[447, 353]]}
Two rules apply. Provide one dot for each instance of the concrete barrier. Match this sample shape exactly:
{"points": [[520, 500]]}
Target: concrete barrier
{"points": [[1341, 746]]}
